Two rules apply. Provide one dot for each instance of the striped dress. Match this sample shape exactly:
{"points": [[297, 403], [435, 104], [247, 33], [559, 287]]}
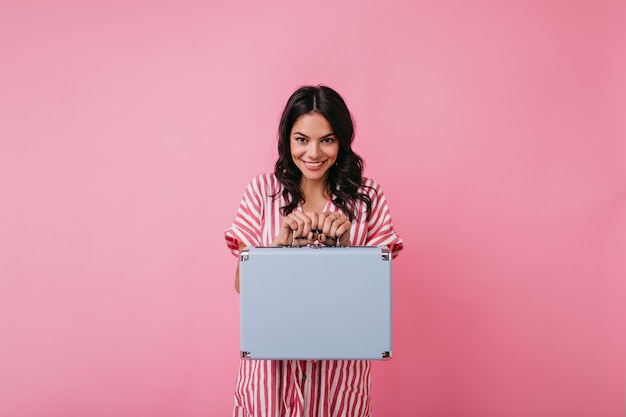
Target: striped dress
{"points": [[304, 388]]}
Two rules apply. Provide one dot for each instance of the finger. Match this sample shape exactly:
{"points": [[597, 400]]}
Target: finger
{"points": [[344, 238], [286, 232], [285, 236], [336, 225], [297, 226], [326, 221], [304, 240], [314, 220], [327, 240], [291, 224], [305, 223], [343, 234]]}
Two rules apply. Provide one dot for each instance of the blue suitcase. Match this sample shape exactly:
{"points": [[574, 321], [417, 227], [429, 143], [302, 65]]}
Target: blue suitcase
{"points": [[315, 303]]}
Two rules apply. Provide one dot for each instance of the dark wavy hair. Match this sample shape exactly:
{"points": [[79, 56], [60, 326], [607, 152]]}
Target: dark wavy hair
{"points": [[345, 177]]}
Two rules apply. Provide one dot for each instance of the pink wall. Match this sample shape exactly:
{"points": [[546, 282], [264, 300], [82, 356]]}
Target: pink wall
{"points": [[129, 129]]}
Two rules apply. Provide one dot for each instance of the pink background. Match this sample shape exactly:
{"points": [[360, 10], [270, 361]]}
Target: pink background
{"points": [[130, 129]]}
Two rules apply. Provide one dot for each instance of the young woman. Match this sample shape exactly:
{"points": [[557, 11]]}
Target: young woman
{"points": [[316, 193]]}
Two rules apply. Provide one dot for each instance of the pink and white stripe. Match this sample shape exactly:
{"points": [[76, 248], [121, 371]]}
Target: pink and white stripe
{"points": [[304, 388]]}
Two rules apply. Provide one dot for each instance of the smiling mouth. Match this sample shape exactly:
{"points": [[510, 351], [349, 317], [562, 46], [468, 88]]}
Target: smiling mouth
{"points": [[313, 164]]}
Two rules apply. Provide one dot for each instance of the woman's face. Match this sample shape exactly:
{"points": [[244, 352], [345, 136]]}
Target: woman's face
{"points": [[314, 146]]}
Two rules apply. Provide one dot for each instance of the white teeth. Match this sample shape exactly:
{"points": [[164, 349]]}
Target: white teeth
{"points": [[313, 165]]}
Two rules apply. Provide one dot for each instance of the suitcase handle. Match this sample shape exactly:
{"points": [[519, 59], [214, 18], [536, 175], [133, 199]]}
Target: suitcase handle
{"points": [[316, 233]]}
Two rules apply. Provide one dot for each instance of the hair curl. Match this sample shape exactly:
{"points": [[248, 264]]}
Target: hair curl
{"points": [[345, 177]]}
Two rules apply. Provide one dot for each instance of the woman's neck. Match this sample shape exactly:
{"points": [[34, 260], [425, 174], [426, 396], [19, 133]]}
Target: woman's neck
{"points": [[314, 192], [313, 188]]}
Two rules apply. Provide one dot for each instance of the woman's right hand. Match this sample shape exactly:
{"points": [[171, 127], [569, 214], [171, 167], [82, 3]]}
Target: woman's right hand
{"points": [[297, 225]]}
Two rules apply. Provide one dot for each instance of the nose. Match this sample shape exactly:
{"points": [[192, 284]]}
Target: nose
{"points": [[314, 150]]}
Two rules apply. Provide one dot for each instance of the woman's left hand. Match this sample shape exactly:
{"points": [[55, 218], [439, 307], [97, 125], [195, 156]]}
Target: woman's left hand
{"points": [[333, 227]]}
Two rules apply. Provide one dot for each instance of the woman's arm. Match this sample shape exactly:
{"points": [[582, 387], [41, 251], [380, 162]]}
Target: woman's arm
{"points": [[241, 246]]}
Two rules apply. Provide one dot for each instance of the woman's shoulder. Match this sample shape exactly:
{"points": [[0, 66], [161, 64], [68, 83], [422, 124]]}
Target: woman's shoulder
{"points": [[265, 184], [370, 186]]}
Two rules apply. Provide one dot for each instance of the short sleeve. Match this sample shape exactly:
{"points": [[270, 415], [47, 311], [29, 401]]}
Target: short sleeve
{"points": [[246, 227], [380, 227]]}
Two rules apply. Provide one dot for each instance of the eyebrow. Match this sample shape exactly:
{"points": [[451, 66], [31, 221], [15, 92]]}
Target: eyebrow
{"points": [[323, 137]]}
